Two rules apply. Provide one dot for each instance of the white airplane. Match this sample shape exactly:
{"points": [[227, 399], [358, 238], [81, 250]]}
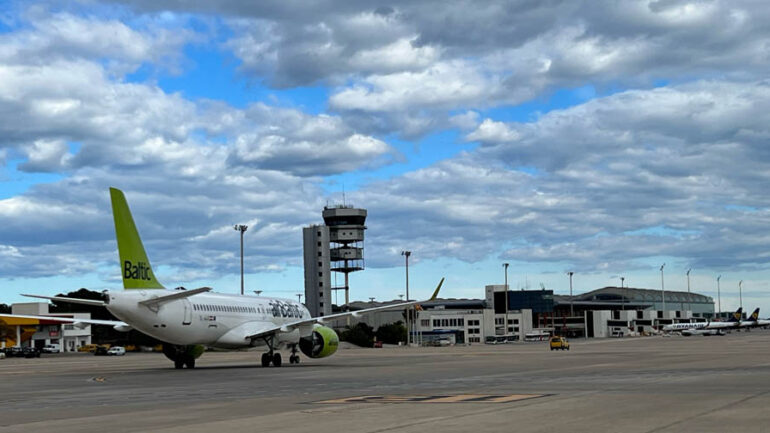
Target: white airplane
{"points": [[754, 321], [705, 328], [191, 320]]}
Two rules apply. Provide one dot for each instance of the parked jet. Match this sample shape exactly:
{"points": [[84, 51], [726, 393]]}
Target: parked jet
{"points": [[754, 321], [699, 327], [190, 320]]}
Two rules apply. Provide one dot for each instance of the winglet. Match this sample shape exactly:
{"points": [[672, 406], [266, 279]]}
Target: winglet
{"points": [[435, 294]]}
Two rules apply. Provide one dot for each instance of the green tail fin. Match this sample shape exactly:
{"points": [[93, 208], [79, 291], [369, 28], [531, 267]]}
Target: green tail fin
{"points": [[134, 264]]}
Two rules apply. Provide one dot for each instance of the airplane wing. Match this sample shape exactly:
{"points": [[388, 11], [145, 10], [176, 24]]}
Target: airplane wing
{"points": [[75, 321], [321, 319]]}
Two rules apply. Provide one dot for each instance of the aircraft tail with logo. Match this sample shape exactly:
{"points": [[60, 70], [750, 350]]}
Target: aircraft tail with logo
{"points": [[754, 316], [737, 316], [134, 264]]}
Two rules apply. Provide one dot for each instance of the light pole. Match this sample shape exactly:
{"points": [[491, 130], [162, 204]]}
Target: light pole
{"points": [[719, 298], [505, 327], [241, 228], [299, 297], [571, 300], [662, 287], [740, 294], [689, 303], [406, 255], [623, 302]]}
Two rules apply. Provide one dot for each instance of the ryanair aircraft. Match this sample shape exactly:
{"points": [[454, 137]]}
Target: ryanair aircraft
{"points": [[188, 321]]}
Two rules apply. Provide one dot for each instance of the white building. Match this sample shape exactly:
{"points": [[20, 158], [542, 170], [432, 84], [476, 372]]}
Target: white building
{"points": [[464, 321], [68, 336]]}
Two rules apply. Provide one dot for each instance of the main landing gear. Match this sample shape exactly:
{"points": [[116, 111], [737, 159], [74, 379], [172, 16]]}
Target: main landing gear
{"points": [[273, 357]]}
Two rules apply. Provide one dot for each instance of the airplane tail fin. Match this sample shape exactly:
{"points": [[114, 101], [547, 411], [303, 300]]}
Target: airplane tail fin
{"points": [[135, 266], [755, 315], [737, 316]]}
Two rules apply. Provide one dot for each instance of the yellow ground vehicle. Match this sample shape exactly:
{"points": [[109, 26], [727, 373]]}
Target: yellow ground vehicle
{"points": [[559, 343], [88, 348]]}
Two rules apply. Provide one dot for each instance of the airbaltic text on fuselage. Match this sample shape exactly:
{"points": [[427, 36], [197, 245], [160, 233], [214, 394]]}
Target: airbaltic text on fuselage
{"points": [[139, 271], [283, 309]]}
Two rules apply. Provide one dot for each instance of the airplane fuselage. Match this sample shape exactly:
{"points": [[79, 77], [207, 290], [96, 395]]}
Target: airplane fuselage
{"points": [[211, 319], [699, 325]]}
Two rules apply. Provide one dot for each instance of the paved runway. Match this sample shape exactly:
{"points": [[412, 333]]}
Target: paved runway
{"points": [[654, 384]]}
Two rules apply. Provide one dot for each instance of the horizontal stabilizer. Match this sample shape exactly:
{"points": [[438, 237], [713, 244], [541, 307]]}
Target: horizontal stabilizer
{"points": [[70, 300], [72, 320]]}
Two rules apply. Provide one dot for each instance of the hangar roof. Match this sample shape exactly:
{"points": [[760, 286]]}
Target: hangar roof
{"points": [[634, 295]]}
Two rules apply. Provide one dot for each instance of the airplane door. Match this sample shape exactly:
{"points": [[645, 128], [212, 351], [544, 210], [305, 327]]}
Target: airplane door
{"points": [[187, 312]]}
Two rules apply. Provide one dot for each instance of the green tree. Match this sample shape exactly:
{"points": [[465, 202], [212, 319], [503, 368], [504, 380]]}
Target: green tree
{"points": [[360, 334], [392, 333]]}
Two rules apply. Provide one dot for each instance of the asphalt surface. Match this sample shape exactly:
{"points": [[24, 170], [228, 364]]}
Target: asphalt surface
{"points": [[653, 384]]}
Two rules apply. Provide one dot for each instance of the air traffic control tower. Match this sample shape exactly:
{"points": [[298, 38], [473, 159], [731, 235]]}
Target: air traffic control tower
{"points": [[336, 246]]}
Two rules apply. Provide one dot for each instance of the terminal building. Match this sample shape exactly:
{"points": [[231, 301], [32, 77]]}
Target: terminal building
{"points": [[20, 332], [533, 314]]}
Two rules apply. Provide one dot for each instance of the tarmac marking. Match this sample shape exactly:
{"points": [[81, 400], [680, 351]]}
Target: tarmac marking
{"points": [[460, 398]]}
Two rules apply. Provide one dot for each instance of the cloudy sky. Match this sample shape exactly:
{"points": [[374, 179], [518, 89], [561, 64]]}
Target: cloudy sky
{"points": [[604, 138]]}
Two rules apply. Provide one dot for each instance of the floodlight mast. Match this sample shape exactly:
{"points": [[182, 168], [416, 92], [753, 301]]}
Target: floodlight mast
{"points": [[241, 228], [689, 300], [505, 327], [571, 299], [719, 296], [406, 255], [662, 287]]}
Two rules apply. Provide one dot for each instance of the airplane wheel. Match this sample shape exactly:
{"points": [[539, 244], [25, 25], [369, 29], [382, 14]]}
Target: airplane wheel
{"points": [[178, 365], [276, 359], [266, 360], [294, 359], [190, 362]]}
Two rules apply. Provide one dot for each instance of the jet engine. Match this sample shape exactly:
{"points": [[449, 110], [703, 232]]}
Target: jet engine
{"points": [[321, 343], [183, 355]]}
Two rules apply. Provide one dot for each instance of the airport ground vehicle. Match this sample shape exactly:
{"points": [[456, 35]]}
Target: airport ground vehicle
{"points": [[88, 348], [116, 351], [51, 348], [2, 354], [100, 351], [559, 343]]}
